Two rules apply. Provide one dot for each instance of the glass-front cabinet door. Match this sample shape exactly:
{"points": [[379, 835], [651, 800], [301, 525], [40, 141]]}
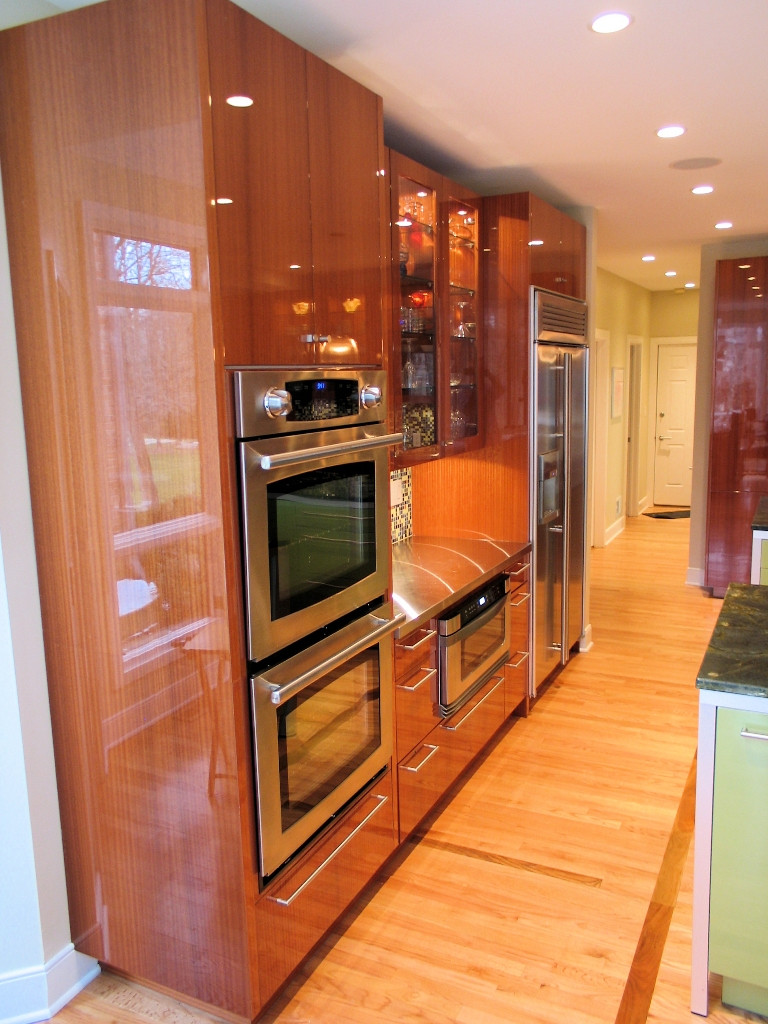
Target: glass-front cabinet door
{"points": [[415, 367], [436, 369], [463, 357]]}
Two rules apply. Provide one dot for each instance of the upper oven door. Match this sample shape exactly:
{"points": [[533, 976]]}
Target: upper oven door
{"points": [[315, 531]]}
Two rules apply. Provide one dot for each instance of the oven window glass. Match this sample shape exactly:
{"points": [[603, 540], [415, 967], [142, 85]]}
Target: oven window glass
{"points": [[482, 645], [322, 534], [326, 732]]}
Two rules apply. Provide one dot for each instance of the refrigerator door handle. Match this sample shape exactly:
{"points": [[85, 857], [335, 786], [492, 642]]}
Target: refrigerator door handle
{"points": [[568, 368]]}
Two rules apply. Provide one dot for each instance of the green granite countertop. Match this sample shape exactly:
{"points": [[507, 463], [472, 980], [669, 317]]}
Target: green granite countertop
{"points": [[736, 660]]}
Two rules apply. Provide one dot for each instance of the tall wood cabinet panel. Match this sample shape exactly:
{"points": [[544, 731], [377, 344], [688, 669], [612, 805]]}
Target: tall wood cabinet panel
{"points": [[133, 288], [557, 249], [299, 202], [738, 450]]}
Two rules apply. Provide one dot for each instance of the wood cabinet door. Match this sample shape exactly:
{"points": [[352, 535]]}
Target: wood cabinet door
{"points": [[262, 197], [347, 185], [738, 451]]}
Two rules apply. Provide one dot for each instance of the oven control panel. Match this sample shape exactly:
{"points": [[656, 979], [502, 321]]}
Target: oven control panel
{"points": [[477, 603]]}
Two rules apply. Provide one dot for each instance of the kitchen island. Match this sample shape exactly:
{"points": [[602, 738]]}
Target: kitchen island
{"points": [[730, 898]]}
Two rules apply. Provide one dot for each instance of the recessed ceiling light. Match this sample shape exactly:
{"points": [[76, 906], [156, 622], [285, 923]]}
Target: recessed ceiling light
{"points": [[611, 21], [239, 101], [703, 190], [690, 284], [648, 259], [670, 273], [723, 225], [670, 131]]}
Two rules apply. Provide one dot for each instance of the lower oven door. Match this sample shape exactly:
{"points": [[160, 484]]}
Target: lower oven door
{"points": [[468, 656], [322, 725]]}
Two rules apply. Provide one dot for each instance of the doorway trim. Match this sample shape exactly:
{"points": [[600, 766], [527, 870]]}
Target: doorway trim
{"points": [[600, 362], [635, 503]]}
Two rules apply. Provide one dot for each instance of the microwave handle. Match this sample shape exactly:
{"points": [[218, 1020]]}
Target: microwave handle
{"points": [[382, 627], [343, 448]]}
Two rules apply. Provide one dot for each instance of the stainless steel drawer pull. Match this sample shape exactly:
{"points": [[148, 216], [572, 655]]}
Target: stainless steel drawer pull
{"points": [[519, 571], [428, 674], [425, 639], [454, 728], [321, 867], [417, 767], [749, 735], [523, 655], [521, 600]]}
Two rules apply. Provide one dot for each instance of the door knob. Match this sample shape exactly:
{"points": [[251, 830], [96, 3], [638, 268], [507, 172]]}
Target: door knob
{"points": [[664, 437]]}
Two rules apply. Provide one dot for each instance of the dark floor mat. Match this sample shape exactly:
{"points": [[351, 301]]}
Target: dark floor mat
{"points": [[681, 513]]}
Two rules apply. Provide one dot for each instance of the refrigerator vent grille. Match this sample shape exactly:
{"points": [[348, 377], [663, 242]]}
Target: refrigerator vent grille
{"points": [[571, 319]]}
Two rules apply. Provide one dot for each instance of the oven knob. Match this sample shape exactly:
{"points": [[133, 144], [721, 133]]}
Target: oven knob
{"points": [[370, 396], [277, 403]]}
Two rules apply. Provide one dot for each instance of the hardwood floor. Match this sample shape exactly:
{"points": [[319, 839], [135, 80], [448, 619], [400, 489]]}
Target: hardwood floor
{"points": [[556, 885]]}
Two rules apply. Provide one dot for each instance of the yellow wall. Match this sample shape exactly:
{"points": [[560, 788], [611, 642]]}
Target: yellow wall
{"points": [[675, 314], [629, 314]]}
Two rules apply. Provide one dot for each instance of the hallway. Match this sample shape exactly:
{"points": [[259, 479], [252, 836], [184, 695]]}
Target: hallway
{"points": [[527, 898]]}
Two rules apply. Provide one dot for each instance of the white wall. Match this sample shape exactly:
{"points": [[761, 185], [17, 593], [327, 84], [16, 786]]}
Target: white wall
{"points": [[39, 968]]}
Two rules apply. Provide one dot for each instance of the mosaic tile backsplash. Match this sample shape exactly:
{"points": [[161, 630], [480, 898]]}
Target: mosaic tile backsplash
{"points": [[402, 514]]}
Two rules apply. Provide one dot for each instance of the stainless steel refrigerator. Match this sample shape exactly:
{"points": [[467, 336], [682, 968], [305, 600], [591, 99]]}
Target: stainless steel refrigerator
{"points": [[560, 375]]}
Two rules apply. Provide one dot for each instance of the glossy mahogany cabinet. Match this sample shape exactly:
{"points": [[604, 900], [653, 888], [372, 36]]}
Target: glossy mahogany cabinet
{"points": [[134, 283], [437, 344], [738, 446], [300, 200]]}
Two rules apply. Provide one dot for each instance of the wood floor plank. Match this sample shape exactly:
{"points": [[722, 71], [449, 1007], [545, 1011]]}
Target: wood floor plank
{"points": [[550, 873]]}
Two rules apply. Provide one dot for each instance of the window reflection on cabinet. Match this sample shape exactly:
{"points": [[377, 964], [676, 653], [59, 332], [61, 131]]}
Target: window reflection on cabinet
{"points": [[436, 341]]}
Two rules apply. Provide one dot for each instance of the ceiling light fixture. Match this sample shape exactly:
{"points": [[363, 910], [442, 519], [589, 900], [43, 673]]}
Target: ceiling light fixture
{"points": [[611, 21], [690, 284], [723, 225], [703, 190], [671, 131], [670, 273], [648, 258]]}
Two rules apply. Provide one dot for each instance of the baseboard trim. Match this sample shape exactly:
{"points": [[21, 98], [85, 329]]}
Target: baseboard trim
{"points": [[614, 530], [585, 641], [38, 993], [694, 577]]}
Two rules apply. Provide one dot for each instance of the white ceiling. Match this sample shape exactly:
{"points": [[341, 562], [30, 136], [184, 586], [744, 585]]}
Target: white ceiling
{"points": [[514, 95]]}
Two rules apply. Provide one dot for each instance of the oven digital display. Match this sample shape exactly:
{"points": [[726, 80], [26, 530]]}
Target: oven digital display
{"points": [[323, 398]]}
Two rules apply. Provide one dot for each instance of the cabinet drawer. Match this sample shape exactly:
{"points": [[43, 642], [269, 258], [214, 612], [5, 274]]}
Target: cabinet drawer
{"points": [[415, 699], [417, 650], [296, 910], [517, 670], [426, 774], [738, 946], [466, 732], [421, 778]]}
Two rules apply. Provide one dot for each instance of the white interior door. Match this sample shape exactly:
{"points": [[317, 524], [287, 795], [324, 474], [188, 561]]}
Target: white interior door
{"points": [[675, 400]]}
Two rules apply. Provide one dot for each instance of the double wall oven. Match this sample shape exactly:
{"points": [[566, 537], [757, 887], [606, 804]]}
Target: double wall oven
{"points": [[314, 489]]}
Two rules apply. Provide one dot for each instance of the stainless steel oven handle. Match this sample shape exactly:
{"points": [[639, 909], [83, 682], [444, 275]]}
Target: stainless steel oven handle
{"points": [[343, 448], [321, 867], [280, 694]]}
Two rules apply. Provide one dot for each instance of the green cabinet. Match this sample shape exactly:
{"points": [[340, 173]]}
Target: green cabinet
{"points": [[738, 934]]}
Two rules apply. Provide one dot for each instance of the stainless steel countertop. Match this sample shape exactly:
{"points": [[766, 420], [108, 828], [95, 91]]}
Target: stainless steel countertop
{"points": [[429, 574]]}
